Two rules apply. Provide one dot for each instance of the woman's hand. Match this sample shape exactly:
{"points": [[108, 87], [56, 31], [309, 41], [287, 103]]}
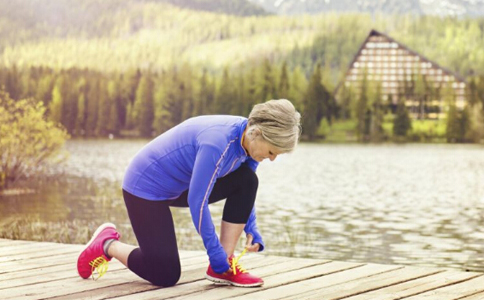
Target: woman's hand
{"points": [[249, 246]]}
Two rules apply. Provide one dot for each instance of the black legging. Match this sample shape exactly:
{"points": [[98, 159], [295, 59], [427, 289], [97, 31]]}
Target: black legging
{"points": [[157, 259]]}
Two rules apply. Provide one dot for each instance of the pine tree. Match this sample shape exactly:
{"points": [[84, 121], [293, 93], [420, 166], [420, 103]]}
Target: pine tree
{"points": [[298, 88], [13, 84], [376, 128], [284, 85], [240, 91], [315, 104], [361, 109], [114, 100], [420, 96], [104, 110], [268, 87], [464, 125], [131, 82], [401, 122], [144, 106], [44, 89], [453, 129], [172, 109], [81, 115], [200, 100], [251, 92], [55, 107], [186, 95], [226, 94], [130, 118], [92, 104]]}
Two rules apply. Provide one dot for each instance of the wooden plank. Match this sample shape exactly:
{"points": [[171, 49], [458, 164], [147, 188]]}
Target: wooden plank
{"points": [[367, 284], [4, 242], [47, 267], [315, 282], [417, 286], [38, 254], [32, 270], [478, 296], [74, 284], [30, 248], [130, 288], [15, 266], [454, 291], [204, 289], [279, 275], [64, 272]]}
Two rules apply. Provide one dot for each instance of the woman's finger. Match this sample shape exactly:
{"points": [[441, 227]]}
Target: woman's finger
{"points": [[250, 238], [253, 248]]}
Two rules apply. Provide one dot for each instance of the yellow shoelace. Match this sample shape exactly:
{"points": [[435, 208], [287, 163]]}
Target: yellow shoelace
{"points": [[235, 263], [100, 264]]}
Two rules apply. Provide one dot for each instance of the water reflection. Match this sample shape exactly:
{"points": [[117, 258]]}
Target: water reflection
{"points": [[411, 204]]}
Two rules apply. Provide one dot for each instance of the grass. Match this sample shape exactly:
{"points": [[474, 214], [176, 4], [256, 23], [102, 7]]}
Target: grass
{"points": [[344, 131]]}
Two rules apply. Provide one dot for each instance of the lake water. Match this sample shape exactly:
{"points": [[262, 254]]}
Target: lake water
{"points": [[400, 204]]}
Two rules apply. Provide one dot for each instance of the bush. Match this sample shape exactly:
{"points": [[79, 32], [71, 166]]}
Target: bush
{"points": [[428, 131], [29, 143]]}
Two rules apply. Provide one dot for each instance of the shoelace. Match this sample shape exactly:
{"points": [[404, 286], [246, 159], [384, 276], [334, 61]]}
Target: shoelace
{"points": [[235, 263], [99, 264]]}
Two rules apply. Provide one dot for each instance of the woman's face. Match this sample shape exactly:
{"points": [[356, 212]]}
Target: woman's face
{"points": [[259, 149]]}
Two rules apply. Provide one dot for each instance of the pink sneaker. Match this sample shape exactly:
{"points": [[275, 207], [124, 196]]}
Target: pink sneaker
{"points": [[92, 256], [236, 276]]}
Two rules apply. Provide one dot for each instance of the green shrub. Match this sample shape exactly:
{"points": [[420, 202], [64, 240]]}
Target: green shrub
{"points": [[29, 143]]}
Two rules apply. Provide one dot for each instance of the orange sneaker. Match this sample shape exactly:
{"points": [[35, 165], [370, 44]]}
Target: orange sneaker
{"points": [[92, 257], [236, 275]]}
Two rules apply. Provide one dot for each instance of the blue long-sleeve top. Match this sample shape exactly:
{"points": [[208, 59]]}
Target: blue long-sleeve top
{"points": [[191, 156]]}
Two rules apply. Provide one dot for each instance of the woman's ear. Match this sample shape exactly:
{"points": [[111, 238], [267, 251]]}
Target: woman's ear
{"points": [[255, 132]]}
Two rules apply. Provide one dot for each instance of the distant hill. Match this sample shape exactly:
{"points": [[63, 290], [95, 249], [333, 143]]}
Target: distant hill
{"points": [[461, 8], [231, 7], [118, 35]]}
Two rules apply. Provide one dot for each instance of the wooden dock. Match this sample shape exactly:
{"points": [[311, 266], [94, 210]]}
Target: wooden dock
{"points": [[33, 270]]}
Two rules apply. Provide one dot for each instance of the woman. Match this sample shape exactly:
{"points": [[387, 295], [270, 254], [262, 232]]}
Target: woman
{"points": [[202, 160]]}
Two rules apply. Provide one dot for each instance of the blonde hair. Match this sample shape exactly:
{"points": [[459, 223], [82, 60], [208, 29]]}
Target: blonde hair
{"points": [[278, 122]]}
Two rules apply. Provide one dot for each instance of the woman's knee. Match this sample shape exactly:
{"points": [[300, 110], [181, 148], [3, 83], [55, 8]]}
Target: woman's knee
{"points": [[164, 276], [250, 178], [165, 280]]}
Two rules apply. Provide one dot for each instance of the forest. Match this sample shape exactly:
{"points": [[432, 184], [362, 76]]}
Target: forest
{"points": [[137, 68]]}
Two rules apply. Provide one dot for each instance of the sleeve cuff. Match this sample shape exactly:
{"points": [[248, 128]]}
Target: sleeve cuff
{"points": [[257, 239]]}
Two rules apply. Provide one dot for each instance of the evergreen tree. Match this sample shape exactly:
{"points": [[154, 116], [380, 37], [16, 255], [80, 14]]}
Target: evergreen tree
{"points": [[420, 96], [226, 94], [13, 84], [104, 110], [268, 87], [173, 104], [315, 104], [361, 110], [131, 82], [298, 88], [144, 106], [81, 115], [401, 122], [453, 129], [251, 92], [130, 118], [464, 125], [346, 100], [376, 127], [55, 107], [44, 89], [200, 100], [284, 86], [92, 104], [186, 95], [114, 100]]}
